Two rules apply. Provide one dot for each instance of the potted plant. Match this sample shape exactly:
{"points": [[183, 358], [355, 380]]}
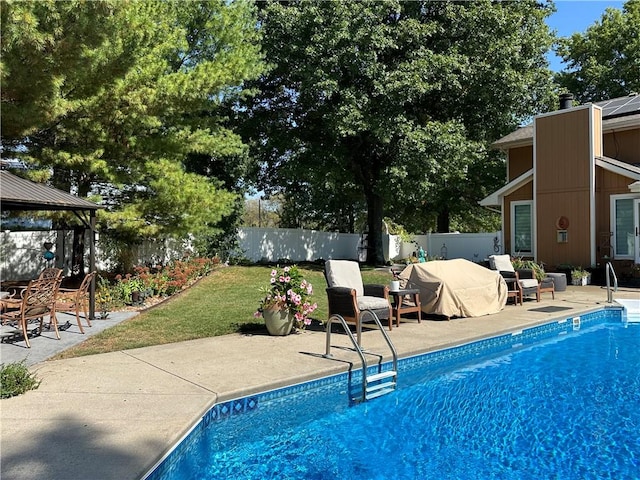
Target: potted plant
{"points": [[285, 305], [104, 298], [579, 276], [131, 286]]}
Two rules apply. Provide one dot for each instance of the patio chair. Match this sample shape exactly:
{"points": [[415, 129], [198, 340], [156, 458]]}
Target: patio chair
{"points": [[50, 272], [349, 297], [524, 279], [76, 299], [47, 273], [38, 301]]}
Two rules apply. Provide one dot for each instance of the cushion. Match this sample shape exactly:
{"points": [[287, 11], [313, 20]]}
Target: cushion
{"points": [[502, 263], [344, 273], [373, 303], [529, 282]]}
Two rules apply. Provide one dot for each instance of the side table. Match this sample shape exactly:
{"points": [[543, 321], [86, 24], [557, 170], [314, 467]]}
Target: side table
{"points": [[514, 292], [559, 281], [398, 307], [547, 285]]}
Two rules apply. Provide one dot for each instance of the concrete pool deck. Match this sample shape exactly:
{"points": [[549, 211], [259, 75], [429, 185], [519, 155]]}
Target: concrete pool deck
{"points": [[112, 416]]}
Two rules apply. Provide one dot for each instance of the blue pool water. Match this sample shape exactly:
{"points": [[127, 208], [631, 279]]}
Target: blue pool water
{"points": [[515, 407]]}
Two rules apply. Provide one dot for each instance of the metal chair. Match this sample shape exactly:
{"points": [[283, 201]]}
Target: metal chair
{"points": [[38, 300], [76, 299], [50, 272]]}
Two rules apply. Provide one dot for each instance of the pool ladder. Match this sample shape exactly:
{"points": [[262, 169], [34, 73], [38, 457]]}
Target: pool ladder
{"points": [[376, 384]]}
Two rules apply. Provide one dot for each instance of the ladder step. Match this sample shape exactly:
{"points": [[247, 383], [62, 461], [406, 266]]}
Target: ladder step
{"points": [[381, 376], [379, 393], [381, 386]]}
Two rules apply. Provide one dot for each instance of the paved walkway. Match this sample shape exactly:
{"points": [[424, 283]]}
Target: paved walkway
{"points": [[112, 416], [46, 345]]}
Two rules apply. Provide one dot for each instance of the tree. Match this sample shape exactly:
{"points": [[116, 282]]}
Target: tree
{"points": [[363, 99], [128, 99], [261, 212], [604, 61]]}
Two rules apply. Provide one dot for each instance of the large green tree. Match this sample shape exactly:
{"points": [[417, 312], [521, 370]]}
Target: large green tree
{"points": [[128, 100], [394, 102], [604, 61]]}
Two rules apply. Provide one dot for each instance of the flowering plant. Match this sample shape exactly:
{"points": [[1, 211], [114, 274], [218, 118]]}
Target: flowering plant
{"points": [[289, 291]]}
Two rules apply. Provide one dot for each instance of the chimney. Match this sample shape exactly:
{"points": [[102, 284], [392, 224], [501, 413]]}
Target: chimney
{"points": [[566, 101]]}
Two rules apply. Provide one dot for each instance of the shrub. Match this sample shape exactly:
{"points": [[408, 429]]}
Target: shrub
{"points": [[159, 280], [15, 379]]}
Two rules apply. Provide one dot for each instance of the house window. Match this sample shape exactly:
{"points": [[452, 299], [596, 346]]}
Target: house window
{"points": [[522, 227], [623, 227]]}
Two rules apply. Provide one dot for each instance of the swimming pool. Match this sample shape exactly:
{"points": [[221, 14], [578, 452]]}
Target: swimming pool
{"points": [[556, 401]]}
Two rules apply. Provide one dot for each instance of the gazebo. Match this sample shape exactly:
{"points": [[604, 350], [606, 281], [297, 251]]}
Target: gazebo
{"points": [[17, 193]]}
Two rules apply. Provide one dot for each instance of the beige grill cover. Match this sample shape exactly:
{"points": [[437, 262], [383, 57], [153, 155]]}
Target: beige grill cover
{"points": [[456, 288]]}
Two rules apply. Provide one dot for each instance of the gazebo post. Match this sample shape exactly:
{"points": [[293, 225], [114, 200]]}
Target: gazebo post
{"points": [[92, 265]]}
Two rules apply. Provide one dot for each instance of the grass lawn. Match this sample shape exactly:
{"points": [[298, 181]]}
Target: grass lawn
{"points": [[222, 303]]}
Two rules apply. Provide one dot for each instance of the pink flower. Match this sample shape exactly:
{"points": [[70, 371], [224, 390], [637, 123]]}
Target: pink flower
{"points": [[293, 300]]}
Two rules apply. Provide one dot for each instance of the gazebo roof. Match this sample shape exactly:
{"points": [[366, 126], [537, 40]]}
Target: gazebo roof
{"points": [[21, 194]]}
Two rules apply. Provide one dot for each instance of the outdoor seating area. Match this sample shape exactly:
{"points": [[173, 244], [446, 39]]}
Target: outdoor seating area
{"points": [[22, 306], [448, 289]]}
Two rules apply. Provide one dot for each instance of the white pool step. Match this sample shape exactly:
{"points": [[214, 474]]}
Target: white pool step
{"points": [[631, 310]]}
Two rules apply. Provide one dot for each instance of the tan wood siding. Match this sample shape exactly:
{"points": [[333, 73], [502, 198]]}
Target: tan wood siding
{"points": [[520, 161], [623, 146], [549, 208], [597, 130], [563, 174]]}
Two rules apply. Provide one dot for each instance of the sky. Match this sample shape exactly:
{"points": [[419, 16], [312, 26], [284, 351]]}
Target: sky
{"points": [[575, 16]]}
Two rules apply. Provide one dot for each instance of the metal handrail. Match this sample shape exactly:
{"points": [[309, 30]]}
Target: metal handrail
{"points": [[394, 353], [341, 319], [357, 345], [608, 272]]}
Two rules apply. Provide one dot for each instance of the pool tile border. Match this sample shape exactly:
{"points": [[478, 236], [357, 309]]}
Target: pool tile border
{"points": [[500, 343]]}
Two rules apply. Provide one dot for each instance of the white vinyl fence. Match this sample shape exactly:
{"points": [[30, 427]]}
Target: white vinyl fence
{"points": [[22, 252], [272, 244]]}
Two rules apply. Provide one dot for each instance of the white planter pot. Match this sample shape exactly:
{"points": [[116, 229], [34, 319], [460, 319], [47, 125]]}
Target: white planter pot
{"points": [[580, 282], [278, 322]]}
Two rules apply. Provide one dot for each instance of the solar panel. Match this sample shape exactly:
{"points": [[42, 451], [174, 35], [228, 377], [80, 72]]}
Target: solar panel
{"points": [[618, 107]]}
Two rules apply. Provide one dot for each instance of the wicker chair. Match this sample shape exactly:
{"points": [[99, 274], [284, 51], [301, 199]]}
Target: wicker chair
{"points": [[349, 297]]}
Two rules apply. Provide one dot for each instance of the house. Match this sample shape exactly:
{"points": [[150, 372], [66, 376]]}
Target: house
{"points": [[572, 195]]}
